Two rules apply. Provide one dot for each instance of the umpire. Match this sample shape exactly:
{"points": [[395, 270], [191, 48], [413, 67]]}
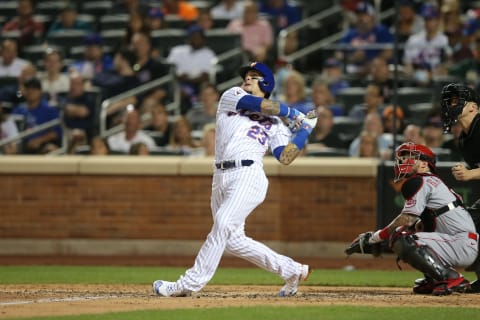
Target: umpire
{"points": [[460, 104]]}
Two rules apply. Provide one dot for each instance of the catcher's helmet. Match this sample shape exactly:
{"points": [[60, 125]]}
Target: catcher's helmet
{"points": [[454, 97], [406, 156], [267, 82]]}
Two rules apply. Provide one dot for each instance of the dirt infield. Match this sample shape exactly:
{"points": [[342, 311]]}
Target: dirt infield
{"points": [[56, 300]]}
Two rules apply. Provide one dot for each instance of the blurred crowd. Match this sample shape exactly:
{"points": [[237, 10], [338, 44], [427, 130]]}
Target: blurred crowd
{"points": [[59, 61]]}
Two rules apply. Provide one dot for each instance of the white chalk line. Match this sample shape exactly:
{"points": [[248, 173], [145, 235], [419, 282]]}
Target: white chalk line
{"points": [[49, 300]]}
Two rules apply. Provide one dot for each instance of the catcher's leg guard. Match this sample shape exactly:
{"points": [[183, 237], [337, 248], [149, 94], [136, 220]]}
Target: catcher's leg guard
{"points": [[422, 258]]}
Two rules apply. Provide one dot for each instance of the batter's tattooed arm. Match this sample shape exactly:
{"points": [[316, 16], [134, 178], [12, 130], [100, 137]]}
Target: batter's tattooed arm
{"points": [[270, 107], [289, 154]]}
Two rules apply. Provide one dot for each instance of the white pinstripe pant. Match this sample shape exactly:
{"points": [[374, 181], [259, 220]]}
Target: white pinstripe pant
{"points": [[235, 194]]}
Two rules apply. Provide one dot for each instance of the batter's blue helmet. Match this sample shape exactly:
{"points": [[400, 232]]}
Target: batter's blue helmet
{"points": [[267, 83]]}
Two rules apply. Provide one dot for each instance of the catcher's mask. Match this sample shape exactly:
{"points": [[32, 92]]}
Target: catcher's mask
{"points": [[407, 155], [454, 97], [267, 82]]}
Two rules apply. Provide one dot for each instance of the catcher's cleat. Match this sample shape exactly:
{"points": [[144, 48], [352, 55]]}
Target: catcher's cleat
{"points": [[291, 285], [424, 286], [169, 289], [474, 287], [443, 288]]}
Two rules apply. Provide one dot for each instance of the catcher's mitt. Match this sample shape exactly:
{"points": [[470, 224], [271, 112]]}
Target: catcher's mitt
{"points": [[361, 245]]}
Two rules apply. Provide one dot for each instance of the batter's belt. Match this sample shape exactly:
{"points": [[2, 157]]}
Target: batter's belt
{"points": [[230, 164]]}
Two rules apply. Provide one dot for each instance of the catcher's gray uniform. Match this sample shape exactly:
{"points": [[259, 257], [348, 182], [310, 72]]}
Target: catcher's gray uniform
{"points": [[454, 238]]}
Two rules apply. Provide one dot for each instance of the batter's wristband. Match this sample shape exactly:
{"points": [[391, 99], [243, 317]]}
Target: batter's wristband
{"points": [[284, 111], [301, 138]]}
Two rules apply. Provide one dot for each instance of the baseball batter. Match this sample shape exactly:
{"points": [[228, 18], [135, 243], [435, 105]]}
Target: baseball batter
{"points": [[247, 126], [433, 233]]}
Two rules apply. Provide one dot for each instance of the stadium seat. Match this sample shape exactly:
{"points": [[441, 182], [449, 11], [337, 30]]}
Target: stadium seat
{"points": [[348, 97], [221, 40], [113, 38], [66, 38], [165, 39], [113, 21], [347, 128], [411, 95]]}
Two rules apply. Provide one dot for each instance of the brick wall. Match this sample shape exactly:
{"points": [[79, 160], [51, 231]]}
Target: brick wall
{"points": [[177, 207]]}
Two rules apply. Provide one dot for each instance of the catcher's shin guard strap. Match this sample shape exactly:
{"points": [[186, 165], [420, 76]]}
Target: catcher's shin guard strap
{"points": [[422, 258]]}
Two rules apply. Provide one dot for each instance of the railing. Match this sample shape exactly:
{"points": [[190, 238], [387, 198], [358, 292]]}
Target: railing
{"points": [[106, 104], [321, 44], [44, 126]]}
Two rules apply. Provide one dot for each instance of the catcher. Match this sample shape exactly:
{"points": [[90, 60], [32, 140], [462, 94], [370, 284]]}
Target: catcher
{"points": [[433, 233]]}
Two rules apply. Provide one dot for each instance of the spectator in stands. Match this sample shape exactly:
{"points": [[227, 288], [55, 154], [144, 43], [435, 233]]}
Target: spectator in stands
{"points": [[205, 110], [206, 145], [409, 22], [368, 145], [68, 20], [333, 73], [181, 139], [122, 141], [94, 61], [463, 51], [208, 140], [183, 9], [451, 16], [29, 28], [146, 67], [432, 130], [365, 32], [373, 125], [8, 130], [193, 64], [323, 135], [413, 133], [228, 9], [55, 83], [139, 149], [10, 64], [99, 146], [427, 53], [119, 79], [322, 96], [37, 111], [205, 20], [282, 12], [156, 19], [380, 74], [294, 93], [373, 102], [256, 32], [388, 121], [137, 23], [79, 110], [160, 129], [13, 93]]}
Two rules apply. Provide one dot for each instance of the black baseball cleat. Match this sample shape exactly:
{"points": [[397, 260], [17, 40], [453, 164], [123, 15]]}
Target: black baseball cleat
{"points": [[474, 287], [443, 288], [424, 286]]}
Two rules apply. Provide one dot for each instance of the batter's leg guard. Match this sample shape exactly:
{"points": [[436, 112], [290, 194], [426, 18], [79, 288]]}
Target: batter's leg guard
{"points": [[424, 259]]}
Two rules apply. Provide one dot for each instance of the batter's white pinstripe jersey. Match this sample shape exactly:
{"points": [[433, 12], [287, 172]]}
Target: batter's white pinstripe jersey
{"points": [[246, 134]]}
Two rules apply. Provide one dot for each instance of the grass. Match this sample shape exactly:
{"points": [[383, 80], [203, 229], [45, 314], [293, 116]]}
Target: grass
{"points": [[237, 276]]}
